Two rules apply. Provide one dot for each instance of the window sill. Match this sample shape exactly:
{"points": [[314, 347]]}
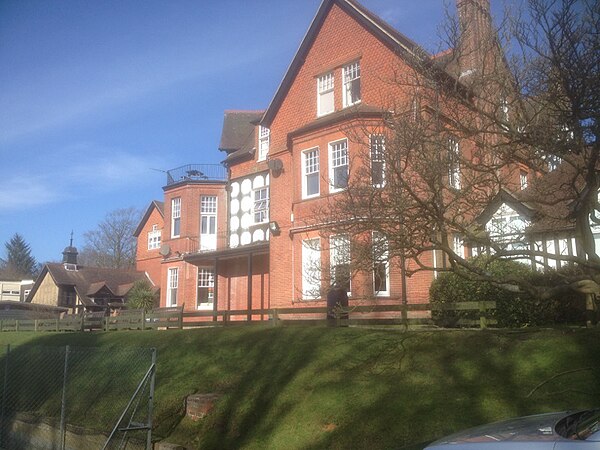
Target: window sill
{"points": [[319, 115], [309, 197], [352, 104]]}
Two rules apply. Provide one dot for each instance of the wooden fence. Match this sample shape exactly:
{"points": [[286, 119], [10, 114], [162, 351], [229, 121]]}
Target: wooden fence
{"points": [[177, 317]]}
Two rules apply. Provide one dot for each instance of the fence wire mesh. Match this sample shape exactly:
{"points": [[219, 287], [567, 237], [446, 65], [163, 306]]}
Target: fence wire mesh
{"points": [[76, 398]]}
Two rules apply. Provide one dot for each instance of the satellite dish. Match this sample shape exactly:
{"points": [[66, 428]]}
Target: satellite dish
{"points": [[164, 249], [276, 165]]}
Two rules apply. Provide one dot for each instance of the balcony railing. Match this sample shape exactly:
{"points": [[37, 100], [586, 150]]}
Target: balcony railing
{"points": [[197, 172]]}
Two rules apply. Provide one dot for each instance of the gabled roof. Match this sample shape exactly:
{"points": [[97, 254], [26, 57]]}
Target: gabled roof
{"points": [[506, 197], [87, 281], [238, 127], [373, 23], [547, 201], [155, 204]]}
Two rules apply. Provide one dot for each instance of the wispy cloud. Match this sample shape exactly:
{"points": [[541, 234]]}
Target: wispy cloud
{"points": [[27, 192], [70, 94], [92, 170]]}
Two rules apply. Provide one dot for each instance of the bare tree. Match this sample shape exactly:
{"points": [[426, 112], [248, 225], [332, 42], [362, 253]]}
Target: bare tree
{"points": [[112, 243], [523, 99]]}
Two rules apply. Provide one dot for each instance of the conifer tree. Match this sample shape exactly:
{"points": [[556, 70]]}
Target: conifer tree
{"points": [[19, 262]]}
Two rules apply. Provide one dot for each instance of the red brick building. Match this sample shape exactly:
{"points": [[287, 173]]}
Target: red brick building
{"points": [[250, 238]]}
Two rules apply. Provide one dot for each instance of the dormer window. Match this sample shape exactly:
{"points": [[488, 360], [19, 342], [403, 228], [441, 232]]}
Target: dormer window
{"points": [[325, 94], [264, 138], [351, 77]]}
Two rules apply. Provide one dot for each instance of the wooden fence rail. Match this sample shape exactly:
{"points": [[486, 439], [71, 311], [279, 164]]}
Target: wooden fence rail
{"points": [[177, 317]]}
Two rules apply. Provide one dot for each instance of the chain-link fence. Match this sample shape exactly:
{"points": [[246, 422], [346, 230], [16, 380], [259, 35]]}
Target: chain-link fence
{"points": [[76, 398]]}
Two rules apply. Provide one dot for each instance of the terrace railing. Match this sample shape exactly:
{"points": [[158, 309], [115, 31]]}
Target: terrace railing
{"points": [[197, 172]]}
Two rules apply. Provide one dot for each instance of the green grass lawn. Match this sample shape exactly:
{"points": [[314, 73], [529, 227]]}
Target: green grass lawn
{"points": [[314, 388]]}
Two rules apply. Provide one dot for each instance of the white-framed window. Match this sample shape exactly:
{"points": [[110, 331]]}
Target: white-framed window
{"points": [[458, 245], [154, 238], [175, 217], [377, 145], [264, 140], [351, 77], [208, 222], [338, 165], [339, 258], [311, 269], [454, 163], [261, 205], [172, 286], [523, 179], [206, 288], [310, 175], [504, 117], [507, 225], [325, 94], [381, 265], [553, 162]]}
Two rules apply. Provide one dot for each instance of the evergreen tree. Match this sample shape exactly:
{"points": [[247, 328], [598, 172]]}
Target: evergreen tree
{"points": [[19, 263]]}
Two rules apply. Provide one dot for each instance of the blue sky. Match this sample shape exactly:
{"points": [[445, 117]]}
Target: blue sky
{"points": [[96, 94]]}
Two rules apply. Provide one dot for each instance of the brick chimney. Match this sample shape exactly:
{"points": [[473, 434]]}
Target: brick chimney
{"points": [[476, 41]]}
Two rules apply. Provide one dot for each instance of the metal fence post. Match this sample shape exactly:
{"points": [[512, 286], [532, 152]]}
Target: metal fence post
{"points": [[151, 402], [3, 423], [63, 403]]}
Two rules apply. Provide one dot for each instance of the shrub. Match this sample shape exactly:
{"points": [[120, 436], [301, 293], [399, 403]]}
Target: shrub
{"points": [[142, 296], [512, 309]]}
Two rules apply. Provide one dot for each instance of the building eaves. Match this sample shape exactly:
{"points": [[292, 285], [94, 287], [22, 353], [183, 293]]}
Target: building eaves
{"points": [[360, 111], [154, 204], [228, 253]]}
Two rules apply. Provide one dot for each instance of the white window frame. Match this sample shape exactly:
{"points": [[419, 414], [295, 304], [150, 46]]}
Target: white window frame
{"points": [[260, 206], [523, 175], [377, 155], [310, 168], [172, 286], [338, 157], [264, 142], [208, 222], [458, 245], [311, 269], [381, 256], [325, 94], [154, 238], [206, 280], [351, 82], [175, 216], [339, 254], [454, 178]]}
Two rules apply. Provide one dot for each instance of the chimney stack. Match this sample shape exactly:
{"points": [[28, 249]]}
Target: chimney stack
{"points": [[476, 38]]}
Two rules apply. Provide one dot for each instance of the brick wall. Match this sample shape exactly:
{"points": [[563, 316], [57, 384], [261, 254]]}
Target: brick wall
{"points": [[149, 261], [189, 237], [340, 41]]}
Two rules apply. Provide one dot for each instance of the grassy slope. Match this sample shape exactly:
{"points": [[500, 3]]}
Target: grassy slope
{"points": [[315, 388]]}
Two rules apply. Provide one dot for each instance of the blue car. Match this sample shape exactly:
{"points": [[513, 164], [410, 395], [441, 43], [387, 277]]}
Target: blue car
{"points": [[557, 431]]}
